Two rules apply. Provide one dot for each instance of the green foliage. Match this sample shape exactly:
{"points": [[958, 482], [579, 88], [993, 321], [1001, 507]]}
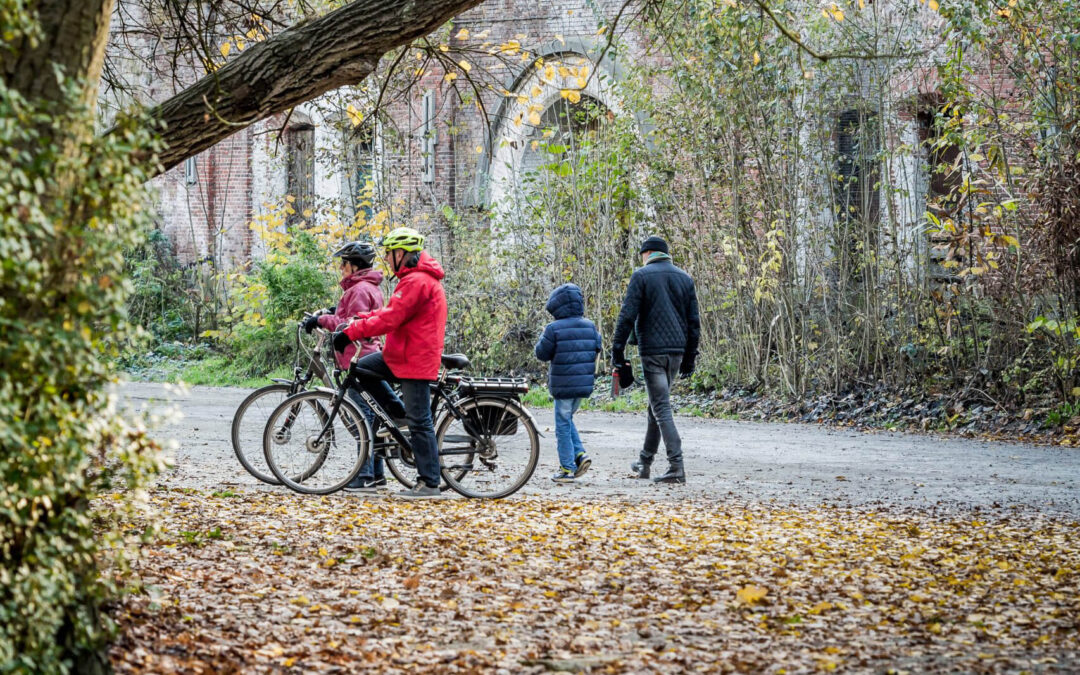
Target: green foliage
{"points": [[69, 206], [636, 400], [494, 313], [538, 397], [1062, 414], [161, 299], [222, 371], [271, 302], [298, 281]]}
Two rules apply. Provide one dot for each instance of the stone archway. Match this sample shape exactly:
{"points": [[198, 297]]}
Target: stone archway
{"points": [[562, 78]]}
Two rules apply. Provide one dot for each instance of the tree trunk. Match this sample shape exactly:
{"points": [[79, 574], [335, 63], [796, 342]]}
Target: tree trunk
{"points": [[73, 36], [295, 66], [71, 39]]}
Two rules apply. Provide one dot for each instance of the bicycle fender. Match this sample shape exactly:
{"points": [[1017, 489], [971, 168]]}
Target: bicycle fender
{"points": [[528, 413], [281, 380]]}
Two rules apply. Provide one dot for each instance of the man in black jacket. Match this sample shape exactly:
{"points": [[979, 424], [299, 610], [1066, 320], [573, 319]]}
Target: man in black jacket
{"points": [[661, 308]]}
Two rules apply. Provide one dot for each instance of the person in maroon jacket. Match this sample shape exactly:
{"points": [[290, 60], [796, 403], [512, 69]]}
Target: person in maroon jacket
{"points": [[360, 283], [414, 323]]}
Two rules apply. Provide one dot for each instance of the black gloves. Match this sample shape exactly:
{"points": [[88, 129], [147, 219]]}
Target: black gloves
{"points": [[310, 324], [686, 368], [341, 341], [618, 357], [330, 310]]}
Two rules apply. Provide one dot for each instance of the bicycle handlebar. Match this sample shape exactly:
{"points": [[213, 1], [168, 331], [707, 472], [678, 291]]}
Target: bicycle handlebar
{"points": [[308, 315]]}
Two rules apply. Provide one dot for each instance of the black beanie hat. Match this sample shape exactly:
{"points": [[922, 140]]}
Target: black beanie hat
{"points": [[654, 243]]}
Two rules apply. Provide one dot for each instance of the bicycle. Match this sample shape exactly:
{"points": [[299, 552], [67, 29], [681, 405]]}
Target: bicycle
{"points": [[316, 441], [250, 417]]}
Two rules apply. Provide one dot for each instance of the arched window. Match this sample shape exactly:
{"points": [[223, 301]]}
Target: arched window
{"points": [[563, 126]]}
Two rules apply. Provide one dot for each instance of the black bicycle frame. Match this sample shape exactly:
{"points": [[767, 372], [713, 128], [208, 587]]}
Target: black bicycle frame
{"points": [[315, 368], [438, 392]]}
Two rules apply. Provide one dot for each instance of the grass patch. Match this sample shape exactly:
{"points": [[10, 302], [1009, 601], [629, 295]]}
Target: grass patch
{"points": [[218, 371], [205, 368], [635, 400], [538, 397]]}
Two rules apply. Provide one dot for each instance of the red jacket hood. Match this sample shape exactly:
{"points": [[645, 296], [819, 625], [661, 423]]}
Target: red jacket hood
{"points": [[427, 264], [370, 275]]}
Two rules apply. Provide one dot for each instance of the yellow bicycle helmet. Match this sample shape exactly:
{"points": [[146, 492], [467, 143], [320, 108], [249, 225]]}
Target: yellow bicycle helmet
{"points": [[404, 238]]}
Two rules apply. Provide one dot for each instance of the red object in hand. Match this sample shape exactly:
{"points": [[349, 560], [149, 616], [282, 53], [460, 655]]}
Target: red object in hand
{"points": [[615, 388]]}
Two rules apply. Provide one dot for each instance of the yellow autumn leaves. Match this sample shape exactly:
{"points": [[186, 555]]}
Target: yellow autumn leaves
{"points": [[568, 79], [655, 586], [238, 42], [833, 10], [751, 594], [551, 75]]}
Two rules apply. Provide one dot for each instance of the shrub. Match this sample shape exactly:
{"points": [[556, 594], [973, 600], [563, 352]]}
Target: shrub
{"points": [[160, 300], [70, 207]]}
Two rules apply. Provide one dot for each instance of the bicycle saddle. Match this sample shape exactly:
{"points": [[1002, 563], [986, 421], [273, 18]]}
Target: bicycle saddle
{"points": [[456, 361]]}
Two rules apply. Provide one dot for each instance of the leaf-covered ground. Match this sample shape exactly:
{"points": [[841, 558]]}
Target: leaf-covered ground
{"points": [[269, 582]]}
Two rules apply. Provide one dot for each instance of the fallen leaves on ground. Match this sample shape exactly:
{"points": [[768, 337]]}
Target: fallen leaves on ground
{"points": [[259, 582]]}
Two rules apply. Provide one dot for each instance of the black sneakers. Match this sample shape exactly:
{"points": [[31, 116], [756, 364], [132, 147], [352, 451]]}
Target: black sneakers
{"points": [[583, 464], [365, 484]]}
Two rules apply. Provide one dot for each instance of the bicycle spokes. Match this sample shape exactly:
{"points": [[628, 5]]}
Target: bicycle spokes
{"points": [[488, 447]]}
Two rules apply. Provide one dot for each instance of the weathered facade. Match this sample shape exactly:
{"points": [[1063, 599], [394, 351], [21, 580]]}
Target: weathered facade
{"points": [[436, 148]]}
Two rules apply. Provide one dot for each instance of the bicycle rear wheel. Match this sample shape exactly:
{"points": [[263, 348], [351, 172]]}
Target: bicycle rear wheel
{"points": [[248, 424], [496, 460], [402, 468], [309, 452]]}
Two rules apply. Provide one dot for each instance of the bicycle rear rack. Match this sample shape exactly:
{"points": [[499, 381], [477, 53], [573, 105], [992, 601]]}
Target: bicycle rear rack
{"points": [[493, 385]]}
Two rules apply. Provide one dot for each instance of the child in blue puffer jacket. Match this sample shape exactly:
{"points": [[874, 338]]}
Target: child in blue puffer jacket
{"points": [[571, 343]]}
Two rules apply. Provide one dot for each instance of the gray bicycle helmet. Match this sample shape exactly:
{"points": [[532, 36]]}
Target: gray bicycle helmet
{"points": [[359, 253]]}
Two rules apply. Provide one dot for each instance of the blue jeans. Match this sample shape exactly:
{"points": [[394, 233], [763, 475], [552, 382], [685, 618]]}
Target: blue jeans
{"points": [[566, 434], [417, 396], [373, 468], [372, 374]]}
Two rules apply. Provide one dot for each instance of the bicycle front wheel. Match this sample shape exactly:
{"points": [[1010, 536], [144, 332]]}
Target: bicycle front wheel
{"points": [[491, 451], [248, 424], [311, 452]]}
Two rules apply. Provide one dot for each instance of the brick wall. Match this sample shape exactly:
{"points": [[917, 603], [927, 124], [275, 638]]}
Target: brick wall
{"points": [[210, 217], [207, 219]]}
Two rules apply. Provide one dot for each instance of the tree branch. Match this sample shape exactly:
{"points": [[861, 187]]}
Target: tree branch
{"points": [[297, 65], [824, 57]]}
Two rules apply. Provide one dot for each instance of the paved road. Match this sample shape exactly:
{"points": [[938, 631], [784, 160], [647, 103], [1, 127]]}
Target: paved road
{"points": [[785, 463]]}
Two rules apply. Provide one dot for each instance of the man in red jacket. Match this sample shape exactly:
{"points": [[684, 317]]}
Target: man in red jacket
{"points": [[414, 323]]}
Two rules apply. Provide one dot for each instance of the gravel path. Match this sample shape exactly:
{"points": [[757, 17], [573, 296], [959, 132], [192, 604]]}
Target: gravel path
{"points": [[784, 463]]}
